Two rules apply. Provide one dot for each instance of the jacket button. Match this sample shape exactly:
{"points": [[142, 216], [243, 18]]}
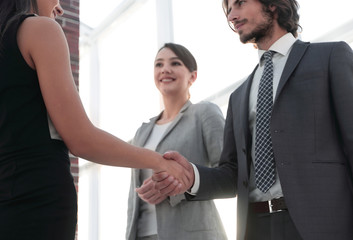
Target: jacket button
{"points": [[245, 183], [244, 150]]}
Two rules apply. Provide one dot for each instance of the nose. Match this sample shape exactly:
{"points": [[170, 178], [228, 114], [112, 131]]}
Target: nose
{"points": [[232, 15], [59, 10], [166, 69]]}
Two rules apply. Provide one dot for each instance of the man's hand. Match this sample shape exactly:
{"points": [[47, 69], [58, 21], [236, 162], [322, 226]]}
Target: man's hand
{"points": [[166, 184]]}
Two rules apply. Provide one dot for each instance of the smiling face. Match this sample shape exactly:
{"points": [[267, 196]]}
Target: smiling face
{"points": [[250, 20], [49, 8], [171, 76]]}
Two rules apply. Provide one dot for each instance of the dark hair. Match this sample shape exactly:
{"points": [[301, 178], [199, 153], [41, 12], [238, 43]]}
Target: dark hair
{"points": [[287, 11], [183, 54], [10, 10]]}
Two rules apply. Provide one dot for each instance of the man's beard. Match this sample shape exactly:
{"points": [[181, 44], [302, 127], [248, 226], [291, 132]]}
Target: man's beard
{"points": [[261, 31]]}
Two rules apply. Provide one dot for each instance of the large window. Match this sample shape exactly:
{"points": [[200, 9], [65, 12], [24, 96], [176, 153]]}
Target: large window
{"points": [[119, 40]]}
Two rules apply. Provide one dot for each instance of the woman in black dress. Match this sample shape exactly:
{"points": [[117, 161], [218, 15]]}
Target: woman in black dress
{"points": [[41, 119]]}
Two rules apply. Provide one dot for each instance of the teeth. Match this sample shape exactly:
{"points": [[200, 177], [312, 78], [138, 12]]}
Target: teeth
{"points": [[167, 80]]}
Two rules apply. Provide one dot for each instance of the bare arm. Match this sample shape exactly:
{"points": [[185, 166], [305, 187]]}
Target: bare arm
{"points": [[44, 47]]}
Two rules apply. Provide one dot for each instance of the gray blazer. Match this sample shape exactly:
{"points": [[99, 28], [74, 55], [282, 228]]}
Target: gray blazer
{"points": [[196, 133], [312, 134]]}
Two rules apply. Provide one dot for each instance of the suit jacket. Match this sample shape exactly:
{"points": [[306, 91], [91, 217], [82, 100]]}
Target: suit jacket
{"points": [[312, 134], [196, 133]]}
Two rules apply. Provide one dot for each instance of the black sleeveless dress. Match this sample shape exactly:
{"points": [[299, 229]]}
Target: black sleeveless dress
{"points": [[37, 194]]}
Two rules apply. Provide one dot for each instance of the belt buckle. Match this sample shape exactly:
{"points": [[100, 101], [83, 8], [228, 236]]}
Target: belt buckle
{"points": [[270, 205]]}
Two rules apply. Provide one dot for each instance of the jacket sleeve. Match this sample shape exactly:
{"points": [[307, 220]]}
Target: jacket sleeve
{"points": [[341, 80], [222, 179], [212, 127], [212, 132]]}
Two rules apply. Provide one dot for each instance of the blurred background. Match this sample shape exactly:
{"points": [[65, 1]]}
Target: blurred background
{"points": [[118, 42]]}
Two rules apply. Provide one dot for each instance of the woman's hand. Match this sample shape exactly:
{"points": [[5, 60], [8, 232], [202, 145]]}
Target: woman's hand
{"points": [[165, 183], [148, 192]]}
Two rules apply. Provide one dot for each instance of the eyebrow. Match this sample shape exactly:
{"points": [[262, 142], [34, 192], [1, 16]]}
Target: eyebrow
{"points": [[230, 6], [173, 58]]}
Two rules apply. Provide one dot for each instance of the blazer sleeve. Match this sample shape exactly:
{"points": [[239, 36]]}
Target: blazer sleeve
{"points": [[212, 127], [341, 76], [212, 132], [222, 179]]}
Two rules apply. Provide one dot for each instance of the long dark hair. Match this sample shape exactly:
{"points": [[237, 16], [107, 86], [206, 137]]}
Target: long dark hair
{"points": [[183, 54], [10, 10], [287, 11]]}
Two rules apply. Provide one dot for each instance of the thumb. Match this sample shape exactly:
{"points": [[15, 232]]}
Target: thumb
{"points": [[173, 155], [170, 155]]}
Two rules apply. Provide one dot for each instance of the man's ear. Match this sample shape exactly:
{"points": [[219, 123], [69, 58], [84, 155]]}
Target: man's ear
{"points": [[273, 9]]}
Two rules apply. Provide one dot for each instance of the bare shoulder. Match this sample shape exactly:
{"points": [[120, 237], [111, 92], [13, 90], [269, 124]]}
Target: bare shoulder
{"points": [[38, 29], [38, 34], [40, 25]]}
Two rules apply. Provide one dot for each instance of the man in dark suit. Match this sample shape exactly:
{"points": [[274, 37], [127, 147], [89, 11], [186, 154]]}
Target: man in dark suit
{"points": [[299, 185]]}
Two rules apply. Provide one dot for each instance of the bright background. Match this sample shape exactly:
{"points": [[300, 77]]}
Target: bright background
{"points": [[116, 81]]}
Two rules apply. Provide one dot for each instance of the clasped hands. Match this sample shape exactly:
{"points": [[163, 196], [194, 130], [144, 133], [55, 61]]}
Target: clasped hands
{"points": [[163, 184]]}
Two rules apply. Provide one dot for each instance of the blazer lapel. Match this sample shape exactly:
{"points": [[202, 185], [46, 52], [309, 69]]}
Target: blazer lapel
{"points": [[176, 120], [145, 132], [294, 57], [147, 128]]}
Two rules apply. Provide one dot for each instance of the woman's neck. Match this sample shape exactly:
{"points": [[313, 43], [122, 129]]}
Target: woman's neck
{"points": [[172, 107]]}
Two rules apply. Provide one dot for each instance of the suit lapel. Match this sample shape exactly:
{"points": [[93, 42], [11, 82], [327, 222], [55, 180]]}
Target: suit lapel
{"points": [[175, 121], [243, 114], [294, 58], [145, 132]]}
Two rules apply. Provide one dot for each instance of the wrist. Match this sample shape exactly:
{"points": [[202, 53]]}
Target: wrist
{"points": [[160, 164]]}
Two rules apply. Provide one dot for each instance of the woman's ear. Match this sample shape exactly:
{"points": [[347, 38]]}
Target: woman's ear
{"points": [[193, 77]]}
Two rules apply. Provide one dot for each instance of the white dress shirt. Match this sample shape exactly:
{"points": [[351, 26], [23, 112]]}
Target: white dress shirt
{"points": [[282, 48]]}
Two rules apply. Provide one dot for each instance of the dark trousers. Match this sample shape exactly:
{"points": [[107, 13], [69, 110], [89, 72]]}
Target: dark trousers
{"points": [[271, 226]]}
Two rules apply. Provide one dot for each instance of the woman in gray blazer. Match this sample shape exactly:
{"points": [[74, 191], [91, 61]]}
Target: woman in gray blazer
{"points": [[194, 130]]}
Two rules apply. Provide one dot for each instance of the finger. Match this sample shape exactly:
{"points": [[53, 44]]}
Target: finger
{"points": [[148, 194], [171, 155], [170, 189], [177, 190], [165, 183], [146, 187], [147, 197], [160, 176], [151, 197], [147, 180]]}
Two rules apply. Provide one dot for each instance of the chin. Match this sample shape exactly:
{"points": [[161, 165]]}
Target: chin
{"points": [[247, 38]]}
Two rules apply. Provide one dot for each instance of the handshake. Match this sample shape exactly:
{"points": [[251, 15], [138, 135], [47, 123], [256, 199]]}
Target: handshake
{"points": [[176, 178]]}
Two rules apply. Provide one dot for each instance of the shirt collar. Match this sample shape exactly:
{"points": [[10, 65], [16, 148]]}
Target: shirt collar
{"points": [[281, 46]]}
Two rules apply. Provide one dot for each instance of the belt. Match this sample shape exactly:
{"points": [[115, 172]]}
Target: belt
{"points": [[271, 206]]}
